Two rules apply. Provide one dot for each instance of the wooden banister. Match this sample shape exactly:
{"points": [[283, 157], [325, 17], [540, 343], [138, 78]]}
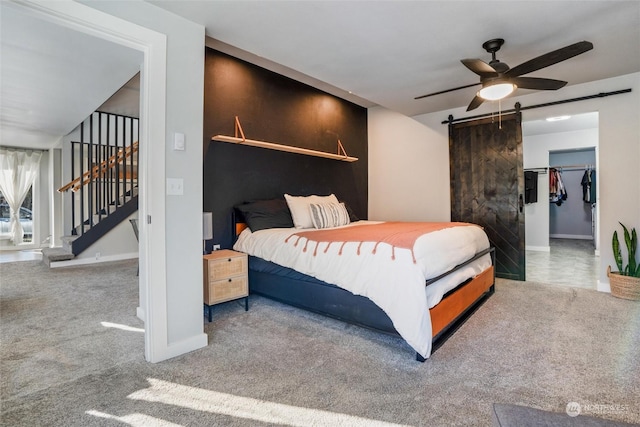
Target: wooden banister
{"points": [[99, 170]]}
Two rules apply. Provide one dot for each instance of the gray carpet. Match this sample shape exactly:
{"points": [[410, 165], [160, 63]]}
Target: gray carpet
{"points": [[534, 345]]}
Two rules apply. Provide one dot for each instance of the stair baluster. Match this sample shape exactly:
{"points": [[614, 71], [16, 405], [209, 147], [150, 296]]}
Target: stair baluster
{"points": [[107, 177]]}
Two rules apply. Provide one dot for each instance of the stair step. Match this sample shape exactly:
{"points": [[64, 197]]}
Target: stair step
{"points": [[50, 255], [67, 241], [87, 227], [83, 239]]}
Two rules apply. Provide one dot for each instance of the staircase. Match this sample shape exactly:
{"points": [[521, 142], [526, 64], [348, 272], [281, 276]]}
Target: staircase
{"points": [[104, 184]]}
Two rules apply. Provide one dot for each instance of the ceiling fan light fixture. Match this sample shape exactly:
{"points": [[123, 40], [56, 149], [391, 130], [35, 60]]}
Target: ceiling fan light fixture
{"points": [[496, 91]]}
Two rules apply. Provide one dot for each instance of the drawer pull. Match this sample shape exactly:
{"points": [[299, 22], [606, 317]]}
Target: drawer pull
{"points": [[229, 260], [229, 280]]}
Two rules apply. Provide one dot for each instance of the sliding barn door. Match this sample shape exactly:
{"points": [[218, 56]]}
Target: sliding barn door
{"points": [[487, 185]]}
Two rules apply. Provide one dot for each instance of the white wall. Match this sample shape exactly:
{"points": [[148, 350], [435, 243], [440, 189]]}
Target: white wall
{"points": [[406, 169], [619, 139], [118, 244], [41, 201], [56, 230], [536, 155], [183, 218]]}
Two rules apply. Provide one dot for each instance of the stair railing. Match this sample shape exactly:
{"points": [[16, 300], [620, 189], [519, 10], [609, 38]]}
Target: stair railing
{"points": [[100, 170], [104, 168]]}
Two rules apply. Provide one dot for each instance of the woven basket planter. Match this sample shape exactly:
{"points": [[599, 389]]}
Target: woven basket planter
{"points": [[626, 287]]}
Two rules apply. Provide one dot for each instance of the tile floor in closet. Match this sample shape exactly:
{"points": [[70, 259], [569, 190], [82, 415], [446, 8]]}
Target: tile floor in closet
{"points": [[569, 262]]}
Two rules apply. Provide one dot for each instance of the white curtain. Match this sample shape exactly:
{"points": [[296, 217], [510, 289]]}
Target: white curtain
{"points": [[18, 172]]}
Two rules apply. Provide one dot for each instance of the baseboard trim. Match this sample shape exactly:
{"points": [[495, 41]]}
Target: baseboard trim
{"points": [[603, 287], [539, 248], [85, 261], [571, 236], [182, 347]]}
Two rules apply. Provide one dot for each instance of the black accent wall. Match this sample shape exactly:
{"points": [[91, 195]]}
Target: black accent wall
{"points": [[276, 109]]}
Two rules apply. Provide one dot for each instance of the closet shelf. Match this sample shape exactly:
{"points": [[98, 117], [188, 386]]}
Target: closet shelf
{"points": [[280, 147]]}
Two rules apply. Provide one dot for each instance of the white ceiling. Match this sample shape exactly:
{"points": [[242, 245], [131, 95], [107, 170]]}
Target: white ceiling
{"points": [[384, 52], [570, 124], [388, 52], [53, 77]]}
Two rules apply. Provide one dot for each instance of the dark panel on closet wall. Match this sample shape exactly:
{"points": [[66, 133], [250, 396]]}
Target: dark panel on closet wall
{"points": [[276, 109]]}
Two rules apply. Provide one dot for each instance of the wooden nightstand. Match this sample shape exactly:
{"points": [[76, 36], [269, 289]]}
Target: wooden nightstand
{"points": [[225, 278]]}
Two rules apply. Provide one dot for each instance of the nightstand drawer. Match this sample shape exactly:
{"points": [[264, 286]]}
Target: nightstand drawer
{"points": [[226, 290], [227, 267]]}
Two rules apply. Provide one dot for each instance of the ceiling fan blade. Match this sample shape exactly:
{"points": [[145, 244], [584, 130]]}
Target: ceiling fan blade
{"points": [[537, 83], [445, 91], [549, 59], [475, 103], [479, 67]]}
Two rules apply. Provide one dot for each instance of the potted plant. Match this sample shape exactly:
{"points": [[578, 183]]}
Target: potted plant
{"points": [[625, 283]]}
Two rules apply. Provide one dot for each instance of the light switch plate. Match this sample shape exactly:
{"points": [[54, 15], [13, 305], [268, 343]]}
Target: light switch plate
{"points": [[175, 186], [178, 141]]}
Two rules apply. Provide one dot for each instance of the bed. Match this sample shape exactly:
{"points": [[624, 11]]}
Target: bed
{"points": [[416, 280]]}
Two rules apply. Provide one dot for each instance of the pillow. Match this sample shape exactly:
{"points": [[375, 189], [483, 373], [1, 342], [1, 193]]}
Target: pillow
{"points": [[329, 215], [352, 216], [299, 207], [263, 214]]}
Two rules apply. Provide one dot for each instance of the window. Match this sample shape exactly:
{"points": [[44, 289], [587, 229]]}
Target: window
{"points": [[19, 170], [26, 218]]}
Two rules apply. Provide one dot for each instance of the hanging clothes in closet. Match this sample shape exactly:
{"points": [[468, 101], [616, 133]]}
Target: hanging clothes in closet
{"points": [[589, 186], [557, 190]]}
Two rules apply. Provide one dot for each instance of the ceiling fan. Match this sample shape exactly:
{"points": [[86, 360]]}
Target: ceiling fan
{"points": [[498, 80]]}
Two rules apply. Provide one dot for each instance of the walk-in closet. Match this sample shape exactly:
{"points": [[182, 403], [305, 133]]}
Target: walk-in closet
{"points": [[572, 194]]}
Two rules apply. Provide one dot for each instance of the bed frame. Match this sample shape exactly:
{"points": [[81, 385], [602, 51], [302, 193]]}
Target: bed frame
{"points": [[323, 298]]}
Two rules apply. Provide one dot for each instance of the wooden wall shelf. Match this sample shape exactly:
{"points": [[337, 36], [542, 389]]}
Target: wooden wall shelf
{"points": [[279, 147]]}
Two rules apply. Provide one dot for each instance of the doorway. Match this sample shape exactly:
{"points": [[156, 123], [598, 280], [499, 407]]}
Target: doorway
{"points": [[562, 235], [153, 46]]}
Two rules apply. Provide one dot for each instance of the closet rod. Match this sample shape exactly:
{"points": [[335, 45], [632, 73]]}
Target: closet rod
{"points": [[576, 167], [518, 108], [539, 170]]}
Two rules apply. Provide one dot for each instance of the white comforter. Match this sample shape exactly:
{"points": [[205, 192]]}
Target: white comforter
{"points": [[396, 286]]}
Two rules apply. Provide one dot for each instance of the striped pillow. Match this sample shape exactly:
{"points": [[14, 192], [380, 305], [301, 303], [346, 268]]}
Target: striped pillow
{"points": [[329, 215]]}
